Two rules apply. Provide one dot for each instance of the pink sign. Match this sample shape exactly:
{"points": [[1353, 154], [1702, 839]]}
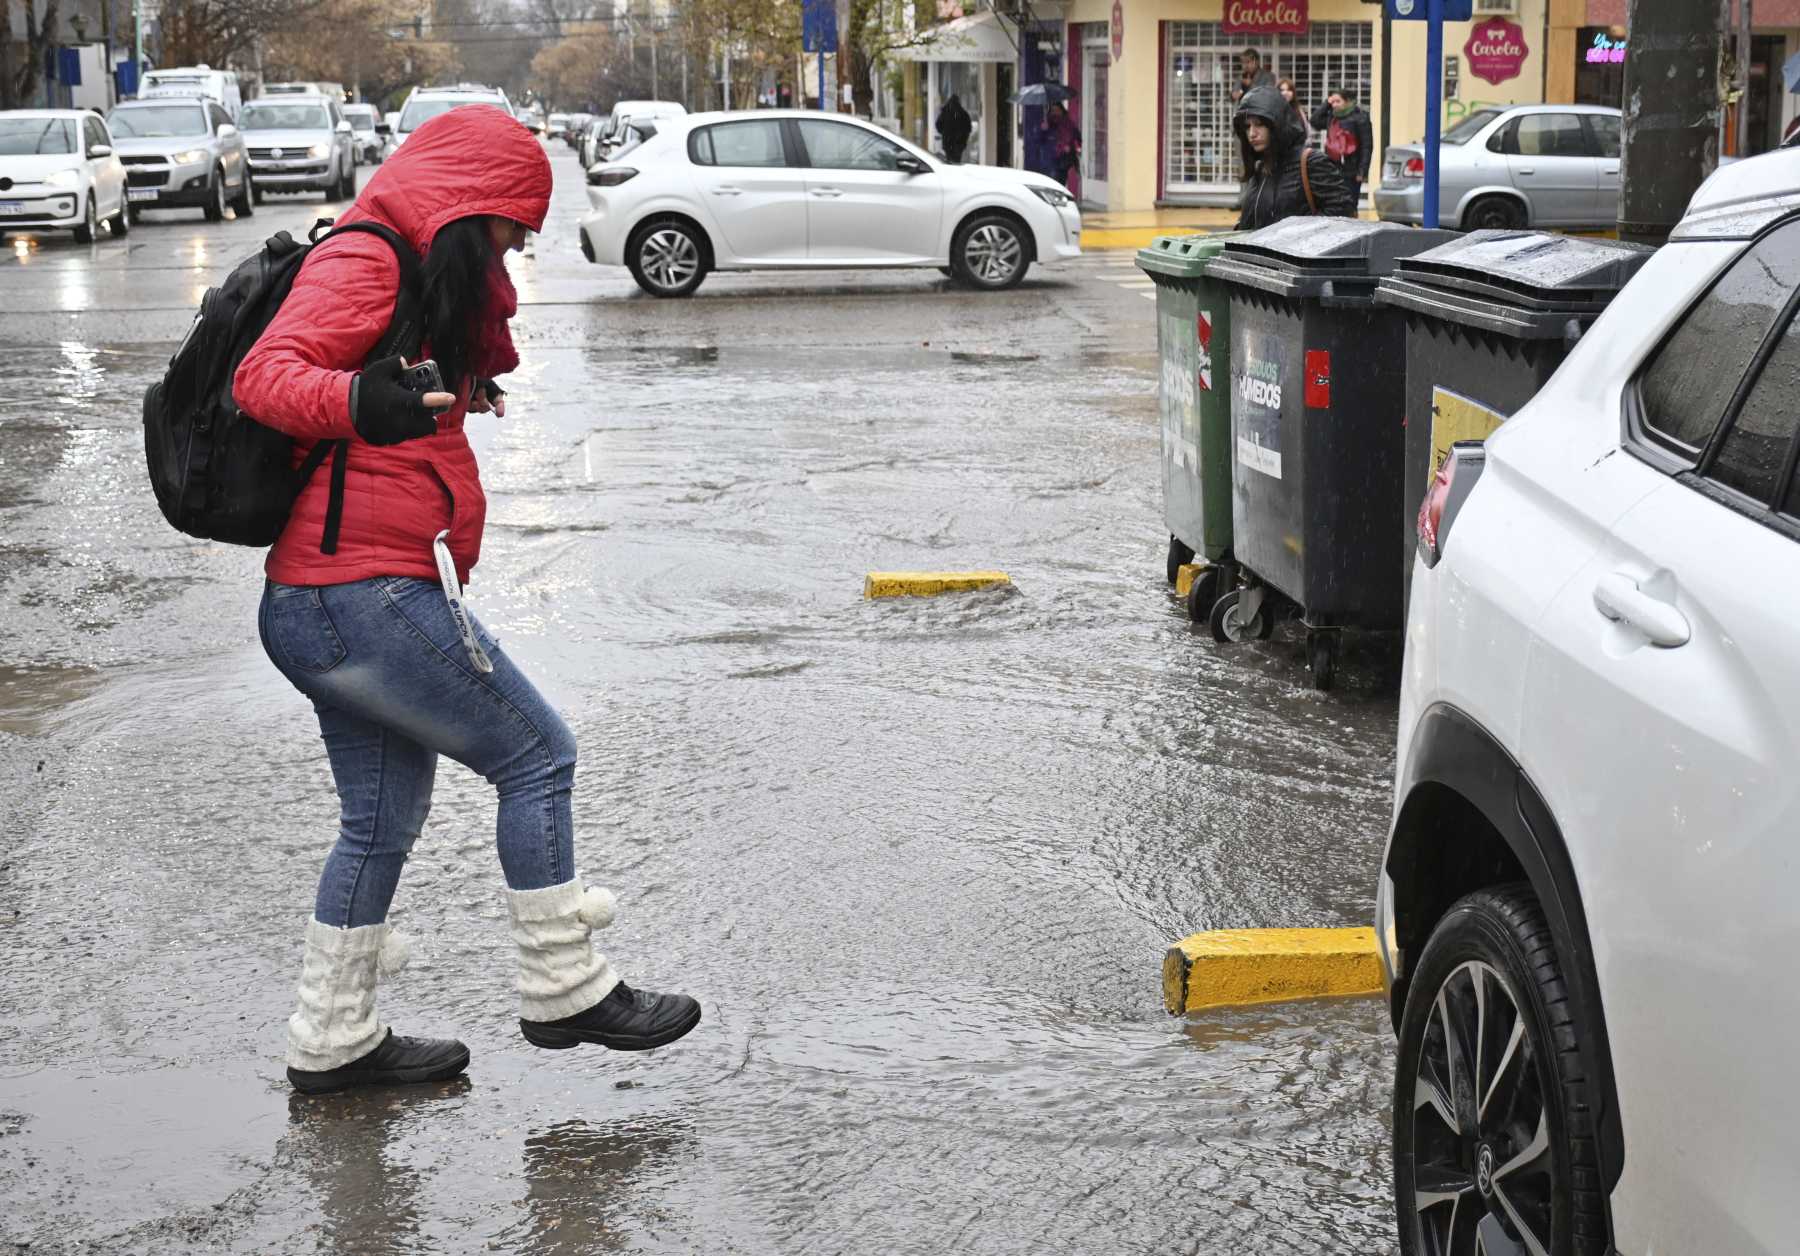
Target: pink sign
{"points": [[1118, 30], [1264, 17], [1496, 50]]}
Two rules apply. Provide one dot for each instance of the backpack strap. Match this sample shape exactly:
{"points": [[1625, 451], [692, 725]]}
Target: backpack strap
{"points": [[404, 335], [1306, 156]]}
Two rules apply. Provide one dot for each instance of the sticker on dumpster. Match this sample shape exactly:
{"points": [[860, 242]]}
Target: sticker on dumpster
{"points": [[1258, 364], [1179, 397], [1203, 333], [1455, 417], [1318, 379]]}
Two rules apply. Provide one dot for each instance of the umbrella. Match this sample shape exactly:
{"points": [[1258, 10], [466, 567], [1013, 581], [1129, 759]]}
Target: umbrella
{"points": [[1043, 94], [1790, 73]]}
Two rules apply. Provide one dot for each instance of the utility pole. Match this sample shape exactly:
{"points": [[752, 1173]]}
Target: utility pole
{"points": [[1743, 79], [1670, 127], [655, 88]]}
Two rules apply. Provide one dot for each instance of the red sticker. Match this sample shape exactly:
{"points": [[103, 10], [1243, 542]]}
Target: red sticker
{"points": [[1318, 379]]}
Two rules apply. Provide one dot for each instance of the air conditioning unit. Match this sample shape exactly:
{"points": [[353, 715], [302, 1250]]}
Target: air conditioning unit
{"points": [[1496, 8]]}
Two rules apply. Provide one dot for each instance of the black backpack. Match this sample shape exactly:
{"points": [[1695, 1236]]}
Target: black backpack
{"points": [[218, 473]]}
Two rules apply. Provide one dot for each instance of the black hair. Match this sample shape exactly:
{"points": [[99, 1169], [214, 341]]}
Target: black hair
{"points": [[1253, 54], [456, 277]]}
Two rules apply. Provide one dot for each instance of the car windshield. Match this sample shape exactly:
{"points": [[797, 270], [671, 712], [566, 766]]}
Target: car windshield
{"points": [[149, 122], [1465, 130], [268, 116], [419, 112], [361, 119], [27, 137]]}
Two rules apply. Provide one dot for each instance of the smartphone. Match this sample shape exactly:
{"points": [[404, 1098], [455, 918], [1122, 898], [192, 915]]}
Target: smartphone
{"points": [[422, 377]]}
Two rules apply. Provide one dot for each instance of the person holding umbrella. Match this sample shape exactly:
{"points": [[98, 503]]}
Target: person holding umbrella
{"points": [[1063, 138]]}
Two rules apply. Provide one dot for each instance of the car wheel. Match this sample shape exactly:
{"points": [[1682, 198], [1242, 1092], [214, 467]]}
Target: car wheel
{"points": [[1494, 1145], [990, 253], [120, 223], [215, 196], [667, 259], [1229, 626], [1501, 213], [240, 205], [90, 226]]}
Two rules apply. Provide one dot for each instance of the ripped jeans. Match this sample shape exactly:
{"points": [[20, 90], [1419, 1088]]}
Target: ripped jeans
{"points": [[393, 687]]}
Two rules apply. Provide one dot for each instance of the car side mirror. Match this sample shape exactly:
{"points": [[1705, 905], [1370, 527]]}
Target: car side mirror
{"points": [[226, 130], [906, 163], [344, 127], [99, 150]]}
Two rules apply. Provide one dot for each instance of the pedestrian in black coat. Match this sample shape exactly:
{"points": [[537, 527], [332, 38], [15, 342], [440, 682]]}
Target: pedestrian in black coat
{"points": [[1349, 139], [954, 126], [1273, 141]]}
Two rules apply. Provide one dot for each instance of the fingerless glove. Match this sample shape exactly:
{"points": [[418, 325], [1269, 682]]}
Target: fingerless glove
{"points": [[383, 410]]}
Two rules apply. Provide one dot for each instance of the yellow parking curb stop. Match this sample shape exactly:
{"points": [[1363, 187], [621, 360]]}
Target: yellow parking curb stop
{"points": [[929, 583], [1234, 967], [1185, 575]]}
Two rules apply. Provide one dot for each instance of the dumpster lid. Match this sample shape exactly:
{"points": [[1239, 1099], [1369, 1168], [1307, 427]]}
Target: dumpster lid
{"points": [[1530, 270], [1184, 256], [1327, 247]]}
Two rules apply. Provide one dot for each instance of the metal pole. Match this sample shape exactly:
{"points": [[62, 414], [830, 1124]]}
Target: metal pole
{"points": [[1387, 81], [728, 70], [1434, 104], [821, 75], [1670, 127], [655, 82], [1743, 79], [137, 66]]}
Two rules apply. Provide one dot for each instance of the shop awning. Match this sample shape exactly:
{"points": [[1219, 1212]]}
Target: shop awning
{"points": [[979, 37]]}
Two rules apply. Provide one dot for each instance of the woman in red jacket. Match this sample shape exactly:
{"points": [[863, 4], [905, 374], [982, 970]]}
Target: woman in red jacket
{"points": [[371, 627]]}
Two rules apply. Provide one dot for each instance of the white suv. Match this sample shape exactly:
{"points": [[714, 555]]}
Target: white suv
{"points": [[1590, 886], [425, 103]]}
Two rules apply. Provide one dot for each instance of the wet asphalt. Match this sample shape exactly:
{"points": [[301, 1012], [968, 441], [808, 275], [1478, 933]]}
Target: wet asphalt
{"points": [[918, 859]]}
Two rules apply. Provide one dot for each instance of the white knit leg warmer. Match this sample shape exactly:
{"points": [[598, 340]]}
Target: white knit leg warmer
{"points": [[335, 1020], [560, 973]]}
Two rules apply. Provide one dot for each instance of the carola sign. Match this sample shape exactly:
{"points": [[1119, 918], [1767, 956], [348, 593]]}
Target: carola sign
{"points": [[1496, 50], [1264, 17]]}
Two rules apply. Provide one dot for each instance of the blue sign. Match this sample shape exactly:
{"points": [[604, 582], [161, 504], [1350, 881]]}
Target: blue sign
{"points": [[1416, 10], [818, 25]]}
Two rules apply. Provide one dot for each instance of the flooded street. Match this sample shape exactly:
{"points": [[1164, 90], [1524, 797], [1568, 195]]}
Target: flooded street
{"points": [[919, 859]]}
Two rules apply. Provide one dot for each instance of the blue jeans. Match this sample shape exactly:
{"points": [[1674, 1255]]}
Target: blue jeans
{"points": [[393, 688]]}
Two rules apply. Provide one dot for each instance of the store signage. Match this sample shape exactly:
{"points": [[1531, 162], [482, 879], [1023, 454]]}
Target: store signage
{"points": [[1118, 30], [1496, 50], [1264, 17], [1420, 11], [1605, 50]]}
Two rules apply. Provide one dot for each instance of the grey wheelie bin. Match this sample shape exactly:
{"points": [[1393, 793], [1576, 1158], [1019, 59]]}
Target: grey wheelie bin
{"points": [[1193, 328], [1489, 318], [1317, 394]]}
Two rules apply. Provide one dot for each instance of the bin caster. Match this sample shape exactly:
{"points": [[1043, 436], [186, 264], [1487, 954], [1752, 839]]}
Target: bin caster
{"points": [[1241, 616], [1204, 592], [1179, 556], [1321, 656]]}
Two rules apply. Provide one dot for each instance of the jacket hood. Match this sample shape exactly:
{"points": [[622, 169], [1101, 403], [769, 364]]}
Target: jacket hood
{"points": [[475, 159], [1271, 106]]}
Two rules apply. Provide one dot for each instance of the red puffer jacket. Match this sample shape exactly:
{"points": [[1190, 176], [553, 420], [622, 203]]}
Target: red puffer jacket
{"points": [[472, 160]]}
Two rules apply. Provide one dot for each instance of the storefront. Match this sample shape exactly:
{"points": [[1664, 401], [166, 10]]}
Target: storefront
{"points": [[974, 58]]}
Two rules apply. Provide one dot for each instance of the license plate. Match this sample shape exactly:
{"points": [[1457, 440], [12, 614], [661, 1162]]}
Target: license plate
{"points": [[12, 207], [141, 194]]}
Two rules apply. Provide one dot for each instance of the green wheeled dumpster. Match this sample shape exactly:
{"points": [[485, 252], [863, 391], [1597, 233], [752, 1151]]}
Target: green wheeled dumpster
{"points": [[1193, 337], [1489, 318], [1317, 386]]}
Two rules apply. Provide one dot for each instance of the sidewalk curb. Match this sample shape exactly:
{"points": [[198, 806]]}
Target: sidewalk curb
{"points": [[929, 583], [1237, 967]]}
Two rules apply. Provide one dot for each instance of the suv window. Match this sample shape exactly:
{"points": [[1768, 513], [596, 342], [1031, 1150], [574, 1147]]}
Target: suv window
{"points": [[218, 116], [1605, 130], [1550, 135], [1685, 390], [738, 144], [840, 146], [1753, 456], [96, 134]]}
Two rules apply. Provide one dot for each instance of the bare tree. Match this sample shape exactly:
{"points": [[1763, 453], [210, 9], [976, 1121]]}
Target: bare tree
{"points": [[21, 68]]}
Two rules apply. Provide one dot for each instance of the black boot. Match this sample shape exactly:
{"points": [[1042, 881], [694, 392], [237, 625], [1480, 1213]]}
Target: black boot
{"points": [[625, 1020], [395, 1061]]}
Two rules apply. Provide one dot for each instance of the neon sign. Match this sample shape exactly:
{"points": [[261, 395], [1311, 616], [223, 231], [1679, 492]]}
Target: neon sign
{"points": [[1606, 50]]}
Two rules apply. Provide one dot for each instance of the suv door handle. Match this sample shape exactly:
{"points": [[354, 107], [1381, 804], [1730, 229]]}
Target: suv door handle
{"points": [[725, 189], [1621, 599], [828, 192], [1527, 170]]}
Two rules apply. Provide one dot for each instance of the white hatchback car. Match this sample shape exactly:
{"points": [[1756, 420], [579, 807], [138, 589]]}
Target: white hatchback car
{"points": [[793, 189], [58, 169], [1589, 891]]}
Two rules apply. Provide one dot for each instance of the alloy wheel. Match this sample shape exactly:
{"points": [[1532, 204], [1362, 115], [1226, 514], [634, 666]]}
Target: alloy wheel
{"points": [[669, 257], [992, 253], [1483, 1175]]}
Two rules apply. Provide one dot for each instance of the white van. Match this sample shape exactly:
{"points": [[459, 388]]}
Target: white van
{"points": [[220, 86], [334, 90]]}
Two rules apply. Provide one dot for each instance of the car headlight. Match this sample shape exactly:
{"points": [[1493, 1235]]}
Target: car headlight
{"points": [[320, 150], [63, 179], [1054, 197], [193, 156]]}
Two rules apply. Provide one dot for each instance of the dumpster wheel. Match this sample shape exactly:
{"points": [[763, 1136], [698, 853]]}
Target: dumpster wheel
{"points": [[1228, 627], [1321, 656], [1208, 586]]}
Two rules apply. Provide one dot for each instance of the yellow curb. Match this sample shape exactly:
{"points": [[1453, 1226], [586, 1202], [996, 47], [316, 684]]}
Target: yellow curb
{"points": [[1185, 575], [1234, 967], [929, 583], [1101, 239]]}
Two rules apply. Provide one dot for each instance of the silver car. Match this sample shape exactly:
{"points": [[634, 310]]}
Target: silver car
{"points": [[1522, 166], [181, 151], [300, 144]]}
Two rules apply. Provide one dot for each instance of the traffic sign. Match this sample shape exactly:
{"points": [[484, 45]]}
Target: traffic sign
{"points": [[1416, 10]]}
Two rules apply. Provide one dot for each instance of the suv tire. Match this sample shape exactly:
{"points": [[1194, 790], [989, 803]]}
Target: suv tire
{"points": [[1493, 1115], [667, 258], [215, 196], [990, 252], [241, 205]]}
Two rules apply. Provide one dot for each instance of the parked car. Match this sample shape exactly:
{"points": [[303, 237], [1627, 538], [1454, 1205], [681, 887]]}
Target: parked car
{"points": [[300, 144], [370, 141], [790, 189], [334, 90], [1586, 902], [181, 151], [556, 126], [593, 140], [219, 86], [616, 134], [57, 170], [425, 103], [1522, 166]]}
